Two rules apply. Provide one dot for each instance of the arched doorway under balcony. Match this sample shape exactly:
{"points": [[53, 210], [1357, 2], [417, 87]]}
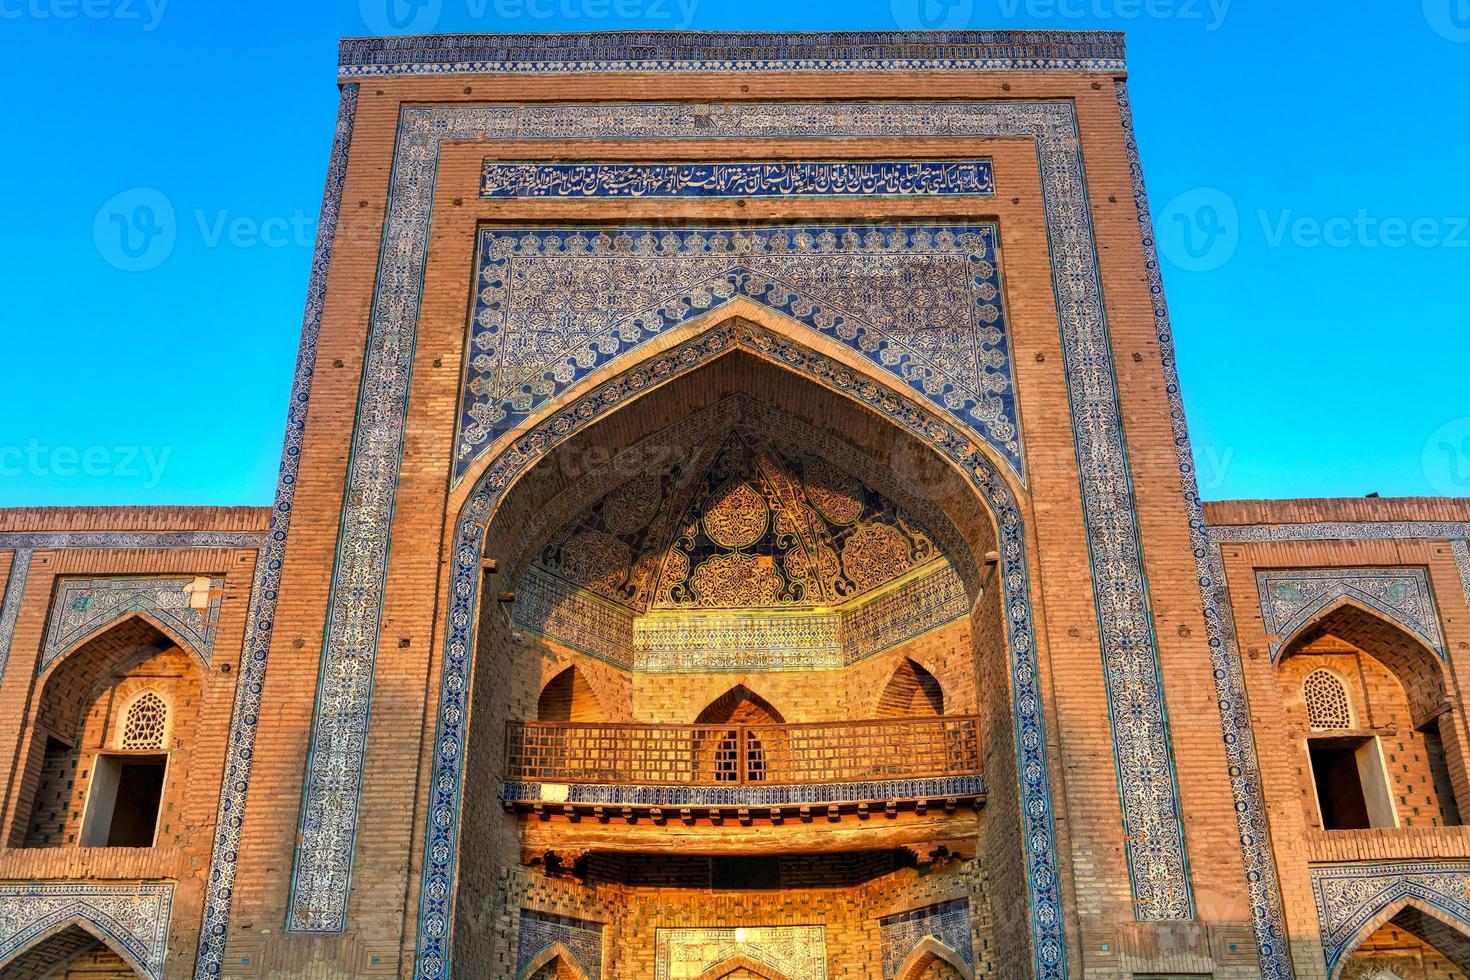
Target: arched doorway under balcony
{"points": [[737, 399]]}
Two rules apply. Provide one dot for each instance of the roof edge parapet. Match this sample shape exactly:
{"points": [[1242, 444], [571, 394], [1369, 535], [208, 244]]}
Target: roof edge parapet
{"points": [[713, 51]]}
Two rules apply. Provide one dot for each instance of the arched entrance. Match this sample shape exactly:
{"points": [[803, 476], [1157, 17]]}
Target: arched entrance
{"points": [[825, 395], [1410, 941], [75, 951]]}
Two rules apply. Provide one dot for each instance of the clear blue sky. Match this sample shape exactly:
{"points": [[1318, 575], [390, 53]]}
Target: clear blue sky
{"points": [[1309, 165]]}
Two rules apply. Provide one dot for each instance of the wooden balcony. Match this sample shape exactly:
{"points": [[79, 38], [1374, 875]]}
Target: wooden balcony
{"points": [[744, 773]]}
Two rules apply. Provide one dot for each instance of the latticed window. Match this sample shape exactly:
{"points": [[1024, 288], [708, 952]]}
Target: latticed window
{"points": [[145, 723], [1327, 700]]}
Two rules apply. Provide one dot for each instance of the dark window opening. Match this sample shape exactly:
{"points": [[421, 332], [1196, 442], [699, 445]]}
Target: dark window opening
{"points": [[122, 808], [745, 872], [1352, 789]]}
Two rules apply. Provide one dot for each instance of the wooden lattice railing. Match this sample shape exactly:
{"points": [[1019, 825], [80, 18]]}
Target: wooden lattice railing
{"points": [[718, 755]]}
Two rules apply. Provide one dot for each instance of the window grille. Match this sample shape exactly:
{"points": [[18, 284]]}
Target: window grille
{"points": [[145, 723], [1327, 701]]}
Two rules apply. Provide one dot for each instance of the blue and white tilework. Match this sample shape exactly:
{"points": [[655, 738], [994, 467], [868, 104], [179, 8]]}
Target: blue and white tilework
{"points": [[1350, 897], [948, 922], [920, 301], [539, 931], [1262, 885], [1293, 598], [744, 51], [239, 753], [739, 179], [1157, 861], [446, 779], [10, 599], [935, 788], [132, 917], [84, 606]]}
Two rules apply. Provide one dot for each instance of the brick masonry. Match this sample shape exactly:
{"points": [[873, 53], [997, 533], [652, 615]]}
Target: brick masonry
{"points": [[1241, 911]]}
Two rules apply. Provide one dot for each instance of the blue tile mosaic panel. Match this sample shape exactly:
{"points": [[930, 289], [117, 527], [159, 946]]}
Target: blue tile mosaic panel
{"points": [[540, 931], [1351, 896], [743, 179], [132, 916], [947, 922], [82, 607], [1293, 598]]}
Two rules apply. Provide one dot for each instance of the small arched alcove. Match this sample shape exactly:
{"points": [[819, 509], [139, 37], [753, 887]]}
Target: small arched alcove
{"points": [[109, 740], [1360, 689], [742, 754], [911, 691], [568, 697]]}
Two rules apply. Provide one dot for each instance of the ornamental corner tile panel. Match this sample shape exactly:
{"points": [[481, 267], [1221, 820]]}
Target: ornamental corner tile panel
{"points": [[1350, 897], [83, 606], [540, 931], [946, 922], [1157, 861], [1292, 598], [131, 917]]}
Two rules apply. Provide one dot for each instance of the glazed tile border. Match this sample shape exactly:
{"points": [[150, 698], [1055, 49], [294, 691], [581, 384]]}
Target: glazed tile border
{"points": [[930, 788], [514, 180], [15, 589], [132, 915], [1038, 837], [826, 52], [1152, 827], [239, 753], [1267, 921], [1351, 896], [1292, 598], [83, 605]]}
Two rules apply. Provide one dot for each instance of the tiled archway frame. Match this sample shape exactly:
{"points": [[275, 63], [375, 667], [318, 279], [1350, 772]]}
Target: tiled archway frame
{"points": [[1152, 827], [1354, 899], [441, 845], [132, 916]]}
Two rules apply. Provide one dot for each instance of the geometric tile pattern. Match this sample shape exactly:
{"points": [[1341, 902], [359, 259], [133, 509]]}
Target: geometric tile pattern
{"points": [[239, 751], [948, 922], [446, 777], [132, 917], [1292, 598], [82, 606], [1267, 921], [1351, 896], [15, 587], [932, 788], [797, 952], [811, 178], [667, 51], [541, 930], [920, 301], [1151, 822]]}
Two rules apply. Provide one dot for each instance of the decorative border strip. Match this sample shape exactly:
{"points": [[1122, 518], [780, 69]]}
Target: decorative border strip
{"points": [[133, 916], [445, 782], [1152, 826], [1262, 885], [517, 180], [15, 588], [220, 889], [796, 794], [83, 606], [947, 922], [1352, 897], [539, 931], [40, 540], [689, 51], [1292, 598]]}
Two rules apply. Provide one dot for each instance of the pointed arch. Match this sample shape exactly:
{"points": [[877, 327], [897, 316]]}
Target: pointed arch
{"points": [[50, 666], [569, 697], [53, 944], [958, 473], [555, 953], [728, 966], [1425, 914], [911, 691], [928, 951], [739, 706]]}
